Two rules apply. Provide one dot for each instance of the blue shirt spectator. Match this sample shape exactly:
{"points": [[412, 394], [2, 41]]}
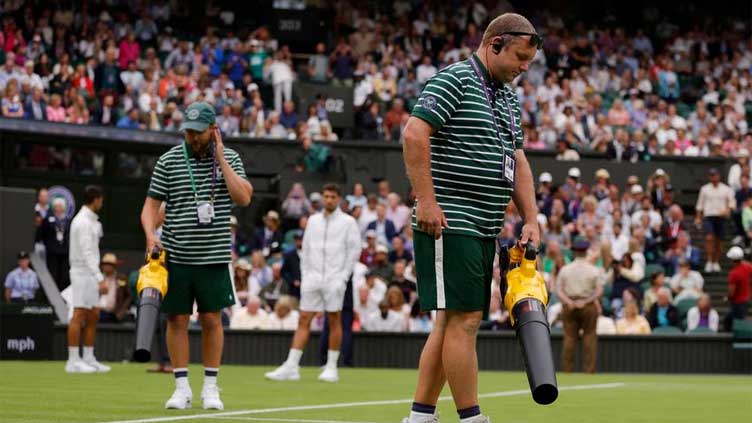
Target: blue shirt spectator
{"points": [[129, 121], [21, 284], [289, 118], [237, 66]]}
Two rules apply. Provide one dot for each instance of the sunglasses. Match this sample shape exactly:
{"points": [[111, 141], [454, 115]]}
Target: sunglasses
{"points": [[535, 39]]}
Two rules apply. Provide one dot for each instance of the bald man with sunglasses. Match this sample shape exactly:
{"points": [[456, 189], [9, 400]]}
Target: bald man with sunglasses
{"points": [[463, 154]]}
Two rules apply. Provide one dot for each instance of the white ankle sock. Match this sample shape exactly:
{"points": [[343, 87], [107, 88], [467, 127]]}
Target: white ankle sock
{"points": [[181, 378], [73, 354], [331, 359], [293, 358], [416, 417], [89, 353], [210, 376]]}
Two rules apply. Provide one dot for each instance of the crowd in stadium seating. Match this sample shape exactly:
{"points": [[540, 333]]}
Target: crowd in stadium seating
{"points": [[629, 95], [637, 234]]}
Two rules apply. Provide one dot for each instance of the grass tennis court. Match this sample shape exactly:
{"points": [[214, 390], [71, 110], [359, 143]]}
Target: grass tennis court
{"points": [[35, 392]]}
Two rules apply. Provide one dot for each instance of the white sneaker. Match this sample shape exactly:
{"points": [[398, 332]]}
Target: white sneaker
{"points": [[709, 267], [717, 267], [430, 419], [284, 372], [210, 398], [79, 366], [99, 367], [180, 400], [480, 419], [329, 375]]}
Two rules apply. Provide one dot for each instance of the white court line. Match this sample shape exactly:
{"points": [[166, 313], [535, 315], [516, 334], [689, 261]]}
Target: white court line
{"points": [[272, 419], [353, 404]]}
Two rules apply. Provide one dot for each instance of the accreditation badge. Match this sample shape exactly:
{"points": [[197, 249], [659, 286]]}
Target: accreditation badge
{"points": [[205, 212], [509, 165]]}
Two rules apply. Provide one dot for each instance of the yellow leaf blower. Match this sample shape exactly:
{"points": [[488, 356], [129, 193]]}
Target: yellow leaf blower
{"points": [[151, 288], [524, 292]]}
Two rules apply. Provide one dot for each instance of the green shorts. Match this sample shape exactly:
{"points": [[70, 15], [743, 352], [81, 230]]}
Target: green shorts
{"points": [[209, 285], [454, 272]]}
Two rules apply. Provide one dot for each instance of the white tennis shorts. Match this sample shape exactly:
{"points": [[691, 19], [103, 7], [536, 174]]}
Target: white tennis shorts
{"points": [[322, 297], [84, 289]]}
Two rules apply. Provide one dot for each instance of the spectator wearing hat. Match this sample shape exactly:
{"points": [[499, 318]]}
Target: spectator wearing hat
{"points": [[269, 238], [545, 181], [601, 188], [241, 272], [657, 186], [55, 234], [571, 183], [115, 304], [579, 286], [714, 206], [21, 284], [380, 265], [241, 245], [662, 313], [369, 250], [703, 315], [384, 227], [631, 202], [315, 199], [739, 279], [290, 271]]}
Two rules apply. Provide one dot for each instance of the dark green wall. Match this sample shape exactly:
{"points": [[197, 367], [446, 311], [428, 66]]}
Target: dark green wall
{"points": [[270, 165]]}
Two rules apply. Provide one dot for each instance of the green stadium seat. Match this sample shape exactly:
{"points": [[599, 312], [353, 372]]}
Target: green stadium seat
{"points": [[700, 331], [666, 330], [650, 270], [684, 305], [557, 330], [683, 110], [742, 329]]}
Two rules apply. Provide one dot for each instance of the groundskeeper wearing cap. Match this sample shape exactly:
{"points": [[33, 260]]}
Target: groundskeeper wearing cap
{"points": [[199, 181]]}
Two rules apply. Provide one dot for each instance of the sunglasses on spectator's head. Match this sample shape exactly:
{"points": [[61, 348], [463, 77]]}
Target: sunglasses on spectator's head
{"points": [[535, 39]]}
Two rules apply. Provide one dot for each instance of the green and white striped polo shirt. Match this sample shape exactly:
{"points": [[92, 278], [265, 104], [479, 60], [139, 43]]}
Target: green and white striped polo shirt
{"points": [[467, 155], [184, 240]]}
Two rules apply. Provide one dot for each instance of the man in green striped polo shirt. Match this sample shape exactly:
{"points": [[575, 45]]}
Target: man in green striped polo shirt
{"points": [[464, 157], [198, 180]]}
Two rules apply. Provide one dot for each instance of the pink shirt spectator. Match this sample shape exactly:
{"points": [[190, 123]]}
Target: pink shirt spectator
{"points": [[56, 114], [129, 51], [618, 117], [683, 144]]}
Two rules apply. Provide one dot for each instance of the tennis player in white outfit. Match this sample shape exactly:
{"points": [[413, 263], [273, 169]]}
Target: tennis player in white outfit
{"points": [[331, 248], [87, 283]]}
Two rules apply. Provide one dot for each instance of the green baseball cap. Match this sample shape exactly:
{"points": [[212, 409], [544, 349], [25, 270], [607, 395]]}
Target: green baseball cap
{"points": [[198, 116]]}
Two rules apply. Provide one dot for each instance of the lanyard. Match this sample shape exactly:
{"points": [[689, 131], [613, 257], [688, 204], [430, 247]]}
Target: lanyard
{"points": [[486, 89], [190, 173]]}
